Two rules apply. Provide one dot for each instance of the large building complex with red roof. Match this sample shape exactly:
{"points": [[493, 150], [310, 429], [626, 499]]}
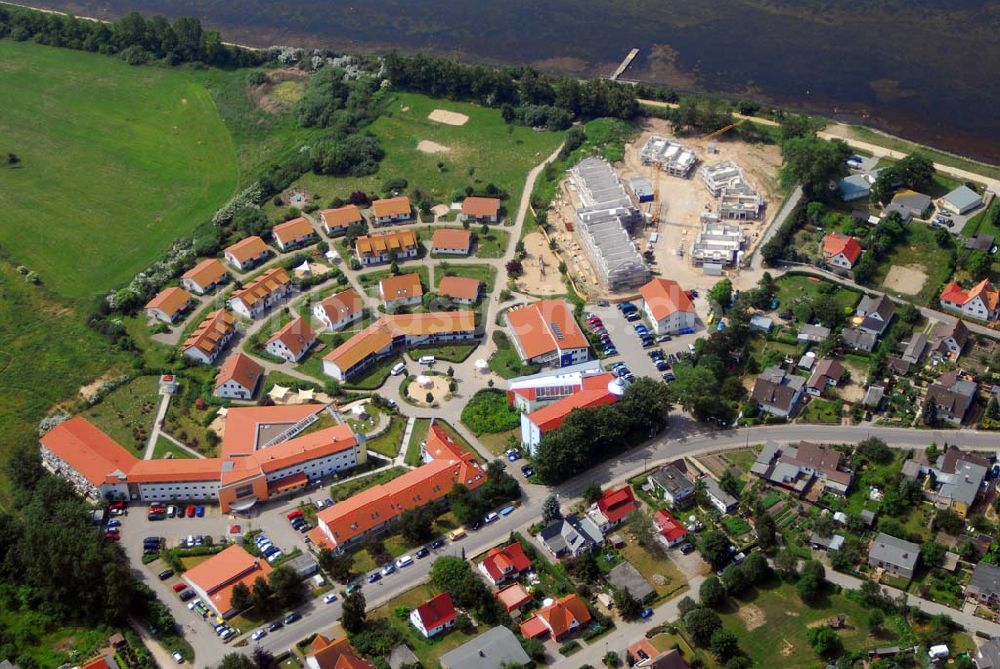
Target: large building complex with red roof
{"points": [[370, 511], [547, 332], [265, 451], [593, 391], [215, 578]]}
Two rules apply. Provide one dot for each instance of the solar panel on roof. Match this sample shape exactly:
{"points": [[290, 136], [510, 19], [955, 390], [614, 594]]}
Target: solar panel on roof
{"points": [[556, 330]]}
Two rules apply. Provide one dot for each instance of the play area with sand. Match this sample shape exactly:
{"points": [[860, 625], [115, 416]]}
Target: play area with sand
{"points": [[427, 146], [437, 386], [905, 279], [448, 117], [541, 269]]}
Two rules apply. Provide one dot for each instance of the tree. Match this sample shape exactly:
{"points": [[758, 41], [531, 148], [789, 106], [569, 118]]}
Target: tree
{"points": [[685, 605], [735, 579], [722, 294], [739, 662], [702, 623], [262, 592], [288, 588], [714, 546], [866, 269], [455, 575], [712, 592], [915, 171], [696, 390], [13, 159], [786, 563], [766, 529], [875, 450], [730, 483], [724, 644], [236, 661], [592, 492], [337, 565], [263, 658], [417, 525], [241, 598], [628, 606], [948, 521], [550, 509], [932, 554], [514, 268], [810, 583], [353, 614], [978, 264], [815, 163], [824, 641], [875, 620], [756, 568]]}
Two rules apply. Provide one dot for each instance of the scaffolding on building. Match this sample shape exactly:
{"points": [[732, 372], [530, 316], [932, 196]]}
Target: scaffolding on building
{"points": [[674, 158]]}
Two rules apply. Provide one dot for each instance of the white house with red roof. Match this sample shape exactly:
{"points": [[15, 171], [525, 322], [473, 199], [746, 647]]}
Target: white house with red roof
{"points": [[667, 306], [982, 301], [597, 390], [841, 250], [434, 616], [238, 378], [672, 532], [292, 341], [613, 508], [504, 564]]}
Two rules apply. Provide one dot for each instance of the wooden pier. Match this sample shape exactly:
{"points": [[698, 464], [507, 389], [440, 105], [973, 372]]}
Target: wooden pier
{"points": [[625, 63]]}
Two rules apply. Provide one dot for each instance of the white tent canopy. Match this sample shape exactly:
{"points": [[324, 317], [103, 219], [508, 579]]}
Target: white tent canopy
{"points": [[278, 392]]}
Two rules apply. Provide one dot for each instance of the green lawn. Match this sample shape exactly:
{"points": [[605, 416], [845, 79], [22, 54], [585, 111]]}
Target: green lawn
{"points": [[165, 446], [484, 150], [919, 247], [444, 352], [980, 223], [374, 377], [137, 155], [795, 287], [493, 244], [780, 641], [341, 491], [505, 362], [485, 274], [822, 411], [897, 144], [388, 442], [417, 436], [127, 412]]}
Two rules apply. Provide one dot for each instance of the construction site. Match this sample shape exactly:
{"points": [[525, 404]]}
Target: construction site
{"points": [[690, 209]]}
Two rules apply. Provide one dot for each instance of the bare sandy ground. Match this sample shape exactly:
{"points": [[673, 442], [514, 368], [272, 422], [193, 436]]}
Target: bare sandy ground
{"points": [[541, 269], [448, 117], [905, 279], [427, 146]]}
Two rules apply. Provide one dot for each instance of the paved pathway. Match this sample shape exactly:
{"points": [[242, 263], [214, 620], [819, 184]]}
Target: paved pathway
{"points": [[154, 434]]}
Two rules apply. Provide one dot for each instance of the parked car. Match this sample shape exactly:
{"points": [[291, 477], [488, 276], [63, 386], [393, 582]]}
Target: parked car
{"points": [[177, 587], [352, 587], [292, 617], [186, 594], [513, 455], [374, 577], [276, 625], [199, 511], [165, 574], [330, 598], [258, 635], [663, 338], [422, 553], [686, 548], [647, 612], [437, 543], [388, 569], [490, 517], [190, 510], [404, 561], [297, 513], [528, 471], [109, 536], [178, 658]]}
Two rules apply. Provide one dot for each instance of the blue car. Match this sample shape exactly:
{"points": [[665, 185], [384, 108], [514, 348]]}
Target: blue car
{"points": [[372, 578], [199, 511], [114, 522], [329, 501], [507, 510], [647, 612]]}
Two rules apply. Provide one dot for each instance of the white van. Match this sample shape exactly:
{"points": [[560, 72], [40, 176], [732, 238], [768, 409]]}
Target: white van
{"points": [[404, 561], [398, 369], [426, 360]]}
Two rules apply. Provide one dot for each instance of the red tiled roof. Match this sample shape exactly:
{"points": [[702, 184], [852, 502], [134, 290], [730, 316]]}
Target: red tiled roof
{"points": [[480, 206], [665, 297], [219, 574], [437, 611], [210, 332], [534, 627], [296, 336], [263, 286], [459, 287], [170, 300], [342, 305], [617, 504], [393, 206], [206, 272], [341, 217], [293, 230], [595, 393], [561, 613], [501, 563], [401, 287], [85, 448], [836, 243], [378, 243], [513, 597], [337, 654], [240, 368], [669, 527], [248, 248], [545, 327], [449, 238], [244, 423]]}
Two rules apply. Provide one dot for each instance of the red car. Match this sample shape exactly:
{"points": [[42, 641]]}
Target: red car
{"points": [[190, 510], [294, 514], [111, 536], [117, 505], [179, 586]]}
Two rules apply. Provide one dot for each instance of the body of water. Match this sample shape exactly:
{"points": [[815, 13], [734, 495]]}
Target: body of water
{"points": [[925, 69]]}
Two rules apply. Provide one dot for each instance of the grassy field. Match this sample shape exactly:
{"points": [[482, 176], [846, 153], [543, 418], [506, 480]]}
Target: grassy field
{"points": [[493, 244], [417, 436], [166, 447], [919, 248], [484, 150], [127, 412], [46, 354], [793, 288], [505, 362], [109, 152], [488, 411], [822, 411], [980, 223], [388, 442]]}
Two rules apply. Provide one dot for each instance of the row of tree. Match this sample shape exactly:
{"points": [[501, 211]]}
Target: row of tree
{"points": [[513, 86], [589, 436], [135, 38]]}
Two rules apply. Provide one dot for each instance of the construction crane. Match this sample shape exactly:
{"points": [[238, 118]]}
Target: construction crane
{"points": [[654, 219], [722, 131]]}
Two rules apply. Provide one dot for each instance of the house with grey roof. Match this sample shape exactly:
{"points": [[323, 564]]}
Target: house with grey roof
{"points": [[761, 323], [868, 518], [948, 339], [988, 655], [626, 577], [570, 536], [984, 586], [984, 243], [833, 542], [896, 556], [950, 397], [858, 339], [915, 348], [961, 201], [490, 650], [874, 396], [910, 202], [718, 497], [813, 334], [673, 485], [777, 392], [875, 313], [854, 187], [959, 478]]}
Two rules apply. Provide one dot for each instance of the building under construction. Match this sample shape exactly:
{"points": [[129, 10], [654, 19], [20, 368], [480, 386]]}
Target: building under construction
{"points": [[605, 220], [717, 243], [675, 159], [737, 200]]}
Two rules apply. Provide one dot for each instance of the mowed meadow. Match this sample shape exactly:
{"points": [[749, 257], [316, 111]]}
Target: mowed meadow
{"points": [[116, 162]]}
